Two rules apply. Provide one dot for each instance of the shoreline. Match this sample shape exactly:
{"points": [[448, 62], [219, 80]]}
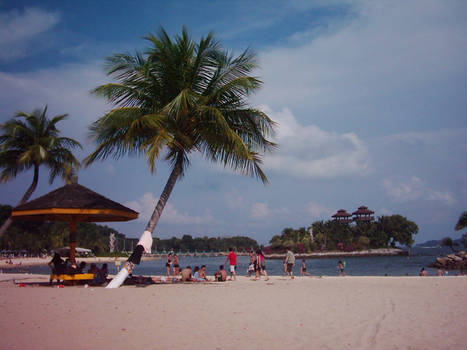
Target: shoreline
{"points": [[21, 261]]}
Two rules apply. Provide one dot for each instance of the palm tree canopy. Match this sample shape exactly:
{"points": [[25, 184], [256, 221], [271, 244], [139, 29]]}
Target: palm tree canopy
{"points": [[179, 97], [31, 140], [462, 222]]}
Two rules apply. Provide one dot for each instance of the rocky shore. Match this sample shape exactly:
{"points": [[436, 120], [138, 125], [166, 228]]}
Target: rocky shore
{"points": [[455, 261]]}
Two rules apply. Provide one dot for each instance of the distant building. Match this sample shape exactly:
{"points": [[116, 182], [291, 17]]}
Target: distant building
{"points": [[363, 214], [342, 216]]}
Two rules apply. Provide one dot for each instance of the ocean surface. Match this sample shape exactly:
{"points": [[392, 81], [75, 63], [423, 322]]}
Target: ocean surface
{"points": [[355, 266]]}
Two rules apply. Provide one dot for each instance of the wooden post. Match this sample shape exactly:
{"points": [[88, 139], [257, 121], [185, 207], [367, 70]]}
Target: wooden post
{"points": [[73, 242]]}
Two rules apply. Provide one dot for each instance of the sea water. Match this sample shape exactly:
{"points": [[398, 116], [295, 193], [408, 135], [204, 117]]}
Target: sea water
{"points": [[354, 266]]}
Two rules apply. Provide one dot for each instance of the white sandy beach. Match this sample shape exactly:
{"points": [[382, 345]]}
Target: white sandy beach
{"points": [[306, 313]]}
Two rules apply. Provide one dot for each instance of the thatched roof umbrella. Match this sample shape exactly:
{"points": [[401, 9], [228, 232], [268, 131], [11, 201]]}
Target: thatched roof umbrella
{"points": [[73, 203]]}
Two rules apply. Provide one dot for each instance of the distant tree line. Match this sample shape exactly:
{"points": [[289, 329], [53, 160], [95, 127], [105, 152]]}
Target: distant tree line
{"points": [[385, 232], [37, 237], [204, 244]]}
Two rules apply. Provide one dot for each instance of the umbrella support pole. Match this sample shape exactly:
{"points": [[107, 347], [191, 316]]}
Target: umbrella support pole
{"points": [[73, 242]]}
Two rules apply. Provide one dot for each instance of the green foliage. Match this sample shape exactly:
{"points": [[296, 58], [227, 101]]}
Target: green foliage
{"points": [[31, 140], [204, 244], [183, 97], [39, 236], [331, 235], [462, 222]]}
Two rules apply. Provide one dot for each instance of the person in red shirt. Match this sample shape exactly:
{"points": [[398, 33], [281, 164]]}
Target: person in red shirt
{"points": [[232, 259]]}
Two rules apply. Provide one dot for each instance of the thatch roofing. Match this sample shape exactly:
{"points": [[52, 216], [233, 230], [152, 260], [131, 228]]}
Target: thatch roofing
{"points": [[73, 202], [363, 211], [341, 213]]}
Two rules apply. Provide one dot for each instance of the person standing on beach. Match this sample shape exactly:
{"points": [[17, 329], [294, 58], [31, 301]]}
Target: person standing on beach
{"points": [[260, 265], [176, 266], [168, 263], [251, 266], [290, 261], [232, 259]]}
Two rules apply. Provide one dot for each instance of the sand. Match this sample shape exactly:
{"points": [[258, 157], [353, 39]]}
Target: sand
{"points": [[306, 313]]}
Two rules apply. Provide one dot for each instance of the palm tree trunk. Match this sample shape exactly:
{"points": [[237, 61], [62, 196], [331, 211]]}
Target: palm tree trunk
{"points": [[23, 200], [135, 257], [174, 175]]}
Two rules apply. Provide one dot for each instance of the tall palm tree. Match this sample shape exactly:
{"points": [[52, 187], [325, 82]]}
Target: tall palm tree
{"points": [[29, 141], [181, 97]]}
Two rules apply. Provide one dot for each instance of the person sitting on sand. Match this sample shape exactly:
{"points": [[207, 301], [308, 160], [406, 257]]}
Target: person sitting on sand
{"points": [[81, 267], [202, 273], [221, 275], [423, 272], [104, 272], [196, 275], [186, 274], [439, 272]]}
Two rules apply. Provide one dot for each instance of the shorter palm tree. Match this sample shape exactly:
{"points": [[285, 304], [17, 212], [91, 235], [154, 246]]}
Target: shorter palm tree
{"points": [[462, 222], [29, 141]]}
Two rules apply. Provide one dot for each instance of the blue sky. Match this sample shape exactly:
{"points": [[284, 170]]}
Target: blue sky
{"points": [[370, 98]]}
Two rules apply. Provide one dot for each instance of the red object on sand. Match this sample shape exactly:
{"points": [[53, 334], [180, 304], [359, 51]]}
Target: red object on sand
{"points": [[60, 286], [21, 285]]}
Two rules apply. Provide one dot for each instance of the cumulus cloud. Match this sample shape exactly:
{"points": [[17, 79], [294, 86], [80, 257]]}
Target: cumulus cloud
{"points": [[145, 206], [317, 210], [405, 190], [374, 68], [309, 151], [20, 29], [65, 89], [259, 210]]}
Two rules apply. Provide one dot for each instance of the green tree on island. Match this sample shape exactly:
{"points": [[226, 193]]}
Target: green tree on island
{"points": [[29, 141], [178, 98]]}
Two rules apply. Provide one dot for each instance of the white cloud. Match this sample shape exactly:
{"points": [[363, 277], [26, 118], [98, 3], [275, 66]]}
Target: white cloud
{"points": [[414, 189], [19, 29], [388, 62], [235, 201], [145, 206], [318, 210], [259, 210], [65, 89], [308, 151]]}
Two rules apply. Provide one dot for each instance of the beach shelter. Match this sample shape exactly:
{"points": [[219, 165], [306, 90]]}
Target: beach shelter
{"points": [[73, 203]]}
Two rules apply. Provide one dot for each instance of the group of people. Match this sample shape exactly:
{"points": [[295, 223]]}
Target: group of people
{"points": [[60, 266]]}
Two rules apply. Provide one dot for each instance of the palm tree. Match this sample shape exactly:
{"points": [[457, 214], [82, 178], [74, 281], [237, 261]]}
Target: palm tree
{"points": [[462, 222], [181, 97], [29, 141]]}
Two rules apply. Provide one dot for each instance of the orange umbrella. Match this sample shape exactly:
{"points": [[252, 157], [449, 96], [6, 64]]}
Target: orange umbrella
{"points": [[73, 203]]}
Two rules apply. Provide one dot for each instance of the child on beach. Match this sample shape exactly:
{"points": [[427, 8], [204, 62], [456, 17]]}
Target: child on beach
{"points": [[303, 269], [341, 266]]}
